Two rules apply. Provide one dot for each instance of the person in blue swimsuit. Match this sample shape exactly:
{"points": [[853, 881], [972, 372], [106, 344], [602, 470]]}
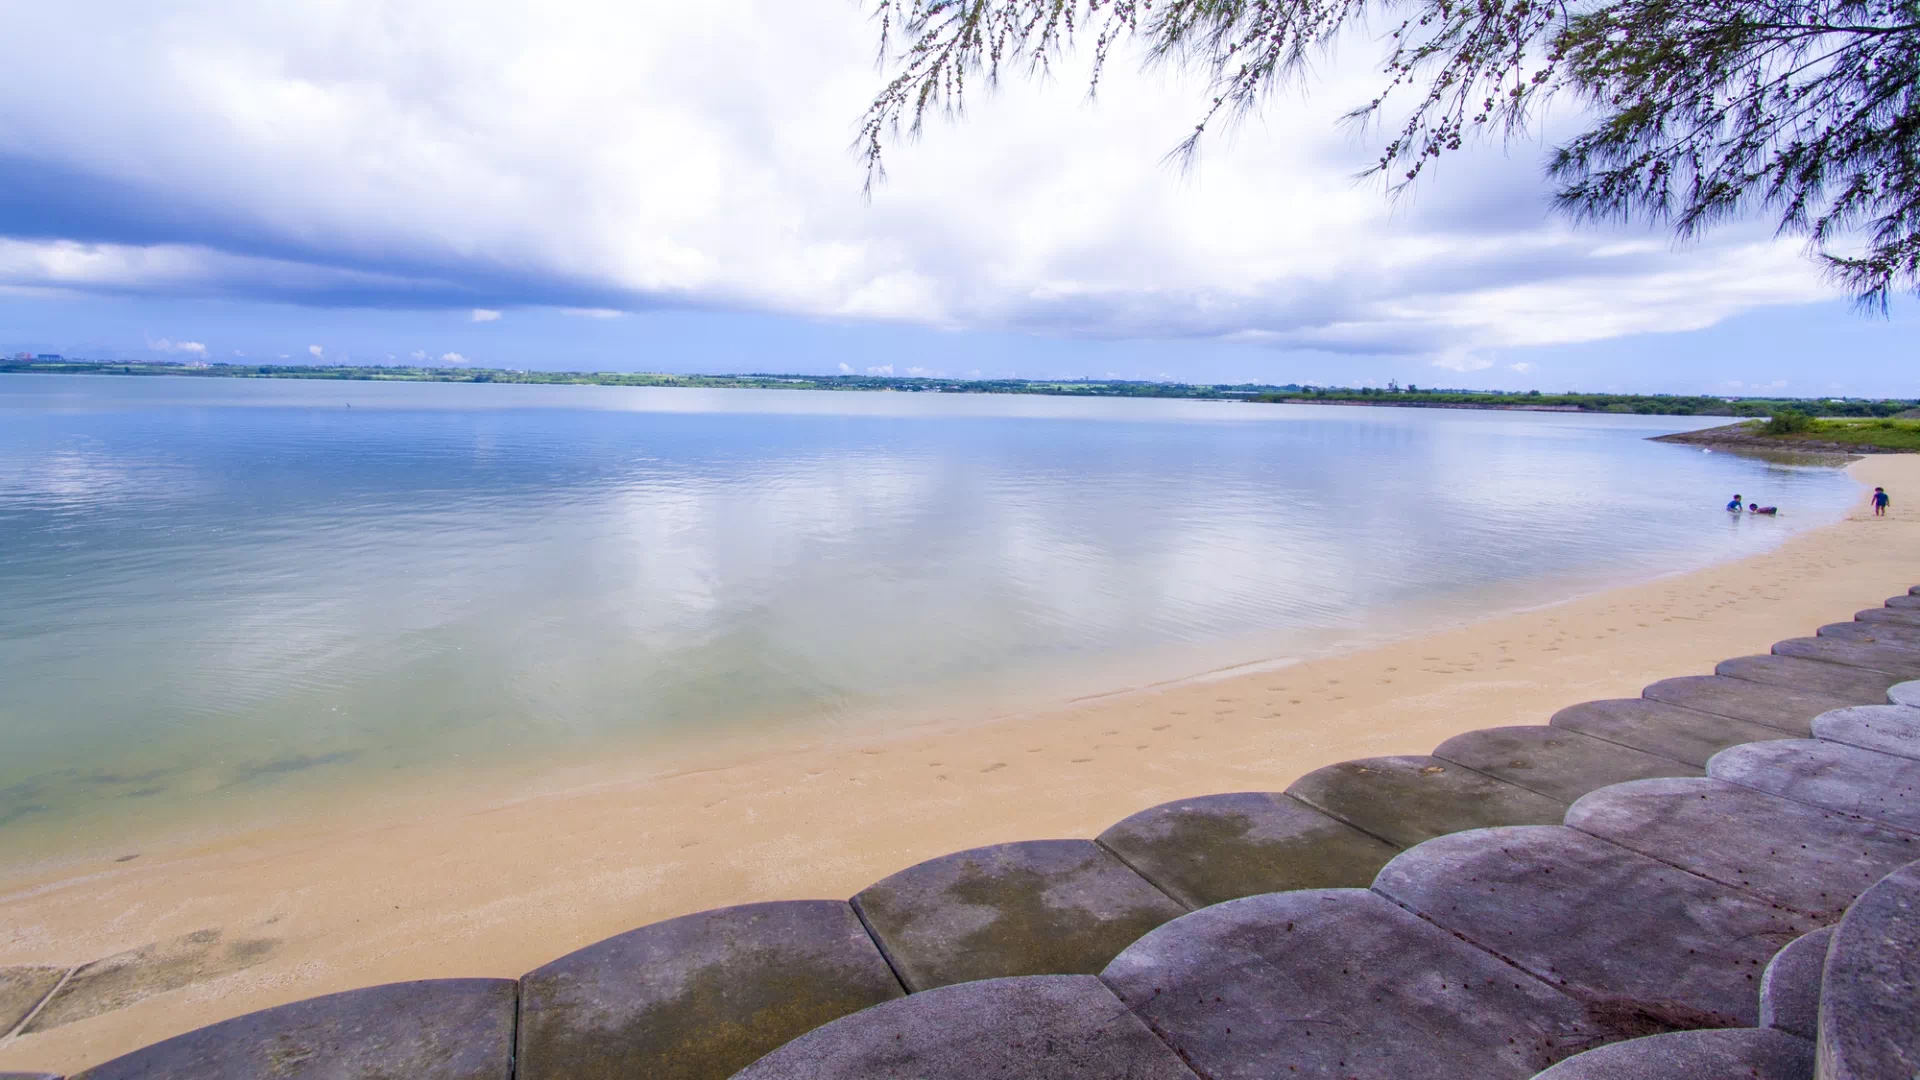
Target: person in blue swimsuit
{"points": [[1736, 505], [1880, 502]]}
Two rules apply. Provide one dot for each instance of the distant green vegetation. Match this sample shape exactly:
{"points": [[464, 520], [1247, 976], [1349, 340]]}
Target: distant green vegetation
{"points": [[1884, 433], [1789, 422], [1644, 404], [1409, 397]]}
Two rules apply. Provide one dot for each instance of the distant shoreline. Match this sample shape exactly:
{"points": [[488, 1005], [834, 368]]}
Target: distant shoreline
{"points": [[1282, 394]]}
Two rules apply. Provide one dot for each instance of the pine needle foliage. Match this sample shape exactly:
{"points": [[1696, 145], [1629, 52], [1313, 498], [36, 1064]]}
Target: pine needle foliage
{"points": [[1700, 111]]}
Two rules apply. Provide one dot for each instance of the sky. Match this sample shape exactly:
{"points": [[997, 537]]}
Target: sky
{"points": [[656, 185]]}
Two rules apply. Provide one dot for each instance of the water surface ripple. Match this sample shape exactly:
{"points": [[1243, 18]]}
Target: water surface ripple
{"points": [[222, 587]]}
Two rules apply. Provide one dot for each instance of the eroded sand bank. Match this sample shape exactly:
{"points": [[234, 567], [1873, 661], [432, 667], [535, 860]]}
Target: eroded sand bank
{"points": [[495, 886]]}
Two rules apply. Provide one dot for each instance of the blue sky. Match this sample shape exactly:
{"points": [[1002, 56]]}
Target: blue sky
{"points": [[663, 186]]}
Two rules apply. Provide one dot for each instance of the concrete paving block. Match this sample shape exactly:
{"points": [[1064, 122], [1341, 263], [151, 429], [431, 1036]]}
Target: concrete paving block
{"points": [[1657, 728], [1222, 847], [1908, 602], [1890, 729], [1555, 762], [1406, 800], [1790, 989], [1831, 775], [1043, 907], [700, 996], [1337, 983], [1812, 860], [1906, 693], [1730, 1054], [22, 989], [1882, 657], [1895, 616], [1644, 943], [441, 1029], [1890, 634], [1858, 686], [1779, 707], [1870, 991], [28, 1076], [1037, 1027], [123, 979]]}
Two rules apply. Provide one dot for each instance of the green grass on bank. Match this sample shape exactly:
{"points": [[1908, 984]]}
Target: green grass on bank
{"points": [[1789, 429], [1883, 433]]}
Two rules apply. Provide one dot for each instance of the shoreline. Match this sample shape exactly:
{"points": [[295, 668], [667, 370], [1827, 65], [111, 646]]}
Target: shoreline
{"points": [[1597, 404], [497, 889]]}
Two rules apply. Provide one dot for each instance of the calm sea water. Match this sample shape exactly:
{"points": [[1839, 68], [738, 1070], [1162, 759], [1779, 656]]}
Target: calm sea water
{"points": [[218, 589]]}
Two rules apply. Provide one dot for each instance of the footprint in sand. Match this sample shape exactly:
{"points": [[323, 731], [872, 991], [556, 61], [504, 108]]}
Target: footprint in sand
{"points": [[994, 766], [1161, 727]]}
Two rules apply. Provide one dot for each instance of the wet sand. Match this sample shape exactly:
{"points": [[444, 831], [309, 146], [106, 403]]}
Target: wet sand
{"points": [[453, 883]]}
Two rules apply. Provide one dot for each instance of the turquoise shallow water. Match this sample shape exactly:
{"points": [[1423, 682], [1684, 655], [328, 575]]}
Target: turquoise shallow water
{"points": [[219, 589]]}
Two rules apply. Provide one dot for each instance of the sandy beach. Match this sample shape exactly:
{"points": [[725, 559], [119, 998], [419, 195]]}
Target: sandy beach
{"points": [[493, 885]]}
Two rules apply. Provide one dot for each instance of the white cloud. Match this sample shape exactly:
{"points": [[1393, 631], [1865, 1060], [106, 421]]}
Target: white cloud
{"points": [[846, 368], [316, 351], [467, 153], [165, 345], [452, 358], [919, 372], [418, 355], [1463, 360], [883, 369], [1522, 367], [592, 312]]}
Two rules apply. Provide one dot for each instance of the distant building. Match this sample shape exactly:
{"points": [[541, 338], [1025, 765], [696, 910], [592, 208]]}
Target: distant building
{"points": [[23, 356], [49, 356]]}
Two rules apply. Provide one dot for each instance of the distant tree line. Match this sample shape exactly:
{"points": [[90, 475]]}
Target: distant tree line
{"points": [[1645, 404]]}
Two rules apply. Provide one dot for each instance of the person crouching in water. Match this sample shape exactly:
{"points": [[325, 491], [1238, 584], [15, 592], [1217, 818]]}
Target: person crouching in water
{"points": [[1734, 506], [1756, 508]]}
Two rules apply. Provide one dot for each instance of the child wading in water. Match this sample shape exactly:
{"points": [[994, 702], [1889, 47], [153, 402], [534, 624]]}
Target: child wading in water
{"points": [[1880, 501]]}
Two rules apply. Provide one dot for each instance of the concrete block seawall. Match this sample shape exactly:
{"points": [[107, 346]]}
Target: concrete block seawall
{"points": [[1722, 875]]}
